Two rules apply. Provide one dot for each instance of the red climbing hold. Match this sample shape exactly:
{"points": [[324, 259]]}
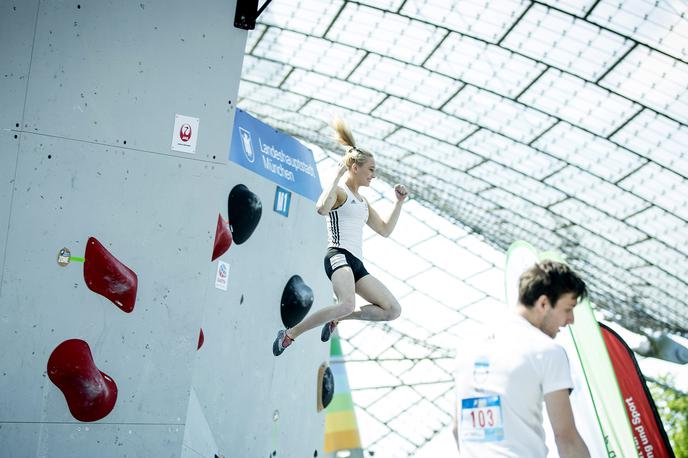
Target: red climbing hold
{"points": [[201, 339], [106, 275], [90, 393], [223, 238]]}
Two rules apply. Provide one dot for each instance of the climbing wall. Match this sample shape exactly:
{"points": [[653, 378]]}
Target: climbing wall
{"points": [[259, 403], [107, 235]]}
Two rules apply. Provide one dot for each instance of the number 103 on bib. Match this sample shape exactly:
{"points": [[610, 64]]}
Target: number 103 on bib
{"points": [[481, 419]]}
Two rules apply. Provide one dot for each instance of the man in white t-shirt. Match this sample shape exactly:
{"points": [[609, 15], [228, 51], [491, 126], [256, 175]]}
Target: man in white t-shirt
{"points": [[503, 378]]}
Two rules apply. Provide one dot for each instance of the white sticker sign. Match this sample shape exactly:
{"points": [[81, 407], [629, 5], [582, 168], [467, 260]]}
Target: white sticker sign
{"points": [[221, 279], [185, 134]]}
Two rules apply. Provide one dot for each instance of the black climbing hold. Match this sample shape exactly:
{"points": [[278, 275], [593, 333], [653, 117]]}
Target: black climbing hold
{"points": [[297, 299], [327, 387], [241, 301], [243, 212], [315, 453]]}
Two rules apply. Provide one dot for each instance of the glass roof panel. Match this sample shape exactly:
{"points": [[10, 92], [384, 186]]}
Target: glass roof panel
{"points": [[576, 7], [449, 178], [589, 152], [658, 138], [434, 123], [399, 287], [384, 33], [658, 301], [402, 268], [578, 102], [308, 17], [664, 187], [487, 282], [433, 149], [597, 192], [254, 37], [487, 309], [657, 254], [380, 148], [418, 432], [610, 272], [663, 226], [396, 401], [523, 227], [308, 52], [411, 329], [512, 154], [521, 185], [653, 79], [476, 245], [478, 18], [417, 306], [332, 90], [279, 118], [661, 25], [411, 232], [504, 198], [498, 113], [390, 5], [445, 288], [565, 42], [484, 65], [657, 278], [372, 127], [594, 243], [598, 222], [396, 446], [440, 224], [448, 256], [266, 94], [264, 72], [405, 80]]}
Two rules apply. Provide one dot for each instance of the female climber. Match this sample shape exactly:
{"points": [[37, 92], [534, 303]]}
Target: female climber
{"points": [[346, 211]]}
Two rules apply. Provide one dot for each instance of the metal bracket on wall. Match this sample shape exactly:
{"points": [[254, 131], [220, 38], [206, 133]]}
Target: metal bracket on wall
{"points": [[247, 12]]}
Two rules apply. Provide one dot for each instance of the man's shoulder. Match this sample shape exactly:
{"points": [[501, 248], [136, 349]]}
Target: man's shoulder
{"points": [[523, 334]]}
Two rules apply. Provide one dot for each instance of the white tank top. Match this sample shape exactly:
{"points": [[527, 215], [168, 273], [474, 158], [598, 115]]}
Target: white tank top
{"points": [[345, 224]]}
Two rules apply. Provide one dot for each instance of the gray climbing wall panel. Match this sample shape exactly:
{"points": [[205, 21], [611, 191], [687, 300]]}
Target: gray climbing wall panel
{"points": [[240, 325], [18, 19], [90, 91], [9, 146]]}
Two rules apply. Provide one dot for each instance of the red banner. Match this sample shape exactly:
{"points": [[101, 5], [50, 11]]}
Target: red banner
{"points": [[650, 438]]}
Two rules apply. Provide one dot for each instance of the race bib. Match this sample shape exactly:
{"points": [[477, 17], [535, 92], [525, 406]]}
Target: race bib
{"points": [[481, 419]]}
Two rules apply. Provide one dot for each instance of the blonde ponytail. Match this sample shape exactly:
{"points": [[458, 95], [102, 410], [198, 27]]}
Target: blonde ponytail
{"points": [[353, 155]]}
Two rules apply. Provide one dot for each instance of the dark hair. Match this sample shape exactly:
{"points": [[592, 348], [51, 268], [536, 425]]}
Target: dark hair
{"points": [[551, 278]]}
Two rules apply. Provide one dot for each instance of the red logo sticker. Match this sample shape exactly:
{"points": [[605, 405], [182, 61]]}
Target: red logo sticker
{"points": [[185, 132]]}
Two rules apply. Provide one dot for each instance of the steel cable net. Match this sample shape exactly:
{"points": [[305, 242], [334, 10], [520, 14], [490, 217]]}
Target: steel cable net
{"points": [[560, 123]]}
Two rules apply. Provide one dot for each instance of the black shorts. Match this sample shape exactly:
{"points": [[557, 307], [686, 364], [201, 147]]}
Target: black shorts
{"points": [[336, 258]]}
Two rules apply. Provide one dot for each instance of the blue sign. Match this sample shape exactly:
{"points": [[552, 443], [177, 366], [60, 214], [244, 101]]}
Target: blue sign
{"points": [[276, 156], [282, 201]]}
